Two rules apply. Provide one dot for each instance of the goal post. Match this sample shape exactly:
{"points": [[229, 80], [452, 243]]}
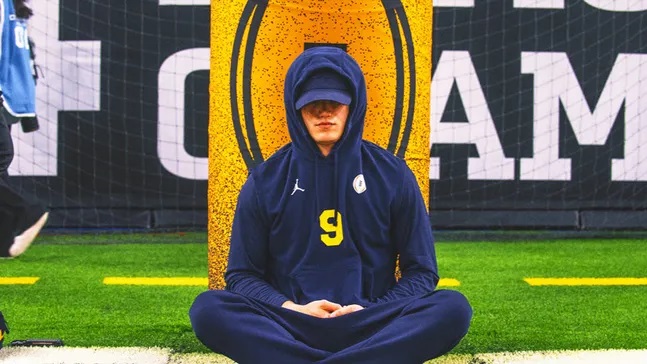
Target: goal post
{"points": [[252, 46]]}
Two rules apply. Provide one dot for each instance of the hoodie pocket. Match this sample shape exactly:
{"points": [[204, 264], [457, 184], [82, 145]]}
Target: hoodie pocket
{"points": [[339, 284], [376, 283]]}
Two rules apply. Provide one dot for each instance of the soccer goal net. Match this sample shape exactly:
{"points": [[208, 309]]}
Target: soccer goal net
{"points": [[537, 113]]}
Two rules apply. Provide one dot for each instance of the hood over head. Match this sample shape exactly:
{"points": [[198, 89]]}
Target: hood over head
{"points": [[325, 73]]}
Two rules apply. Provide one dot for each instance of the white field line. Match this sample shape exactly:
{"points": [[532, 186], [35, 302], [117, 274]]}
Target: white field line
{"points": [[568, 357], [64, 355], [135, 355]]}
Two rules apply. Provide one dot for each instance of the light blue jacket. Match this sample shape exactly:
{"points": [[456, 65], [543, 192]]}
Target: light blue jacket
{"points": [[16, 79]]}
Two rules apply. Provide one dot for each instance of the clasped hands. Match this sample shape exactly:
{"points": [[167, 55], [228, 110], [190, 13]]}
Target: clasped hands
{"points": [[322, 308]]}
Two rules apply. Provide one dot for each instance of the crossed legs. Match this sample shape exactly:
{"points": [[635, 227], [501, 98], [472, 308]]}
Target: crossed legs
{"points": [[403, 331]]}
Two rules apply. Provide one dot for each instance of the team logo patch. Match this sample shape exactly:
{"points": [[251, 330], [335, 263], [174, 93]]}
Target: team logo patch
{"points": [[297, 188], [359, 185]]}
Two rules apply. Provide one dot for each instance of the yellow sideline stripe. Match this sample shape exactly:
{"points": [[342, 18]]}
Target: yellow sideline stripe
{"points": [[196, 281], [150, 281], [586, 281], [449, 282], [18, 280]]}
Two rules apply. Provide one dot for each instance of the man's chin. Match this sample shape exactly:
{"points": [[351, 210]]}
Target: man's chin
{"points": [[329, 142]]}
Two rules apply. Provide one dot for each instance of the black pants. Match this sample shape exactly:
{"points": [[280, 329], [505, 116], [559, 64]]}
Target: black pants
{"points": [[16, 213]]}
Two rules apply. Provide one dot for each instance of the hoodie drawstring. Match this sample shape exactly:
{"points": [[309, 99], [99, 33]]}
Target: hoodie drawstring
{"points": [[335, 192], [316, 187]]}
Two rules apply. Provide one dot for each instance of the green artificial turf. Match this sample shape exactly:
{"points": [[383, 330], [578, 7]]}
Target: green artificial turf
{"points": [[510, 315], [71, 302]]}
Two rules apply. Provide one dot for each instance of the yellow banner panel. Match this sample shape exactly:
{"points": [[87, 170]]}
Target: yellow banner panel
{"points": [[252, 45]]}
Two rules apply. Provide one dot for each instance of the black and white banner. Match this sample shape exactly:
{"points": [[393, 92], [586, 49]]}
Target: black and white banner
{"points": [[537, 106]]}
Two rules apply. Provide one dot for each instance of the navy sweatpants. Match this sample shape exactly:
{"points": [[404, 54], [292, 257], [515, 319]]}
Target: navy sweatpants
{"points": [[410, 330]]}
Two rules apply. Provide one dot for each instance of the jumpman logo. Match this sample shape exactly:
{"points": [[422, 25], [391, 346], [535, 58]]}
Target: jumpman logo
{"points": [[297, 188]]}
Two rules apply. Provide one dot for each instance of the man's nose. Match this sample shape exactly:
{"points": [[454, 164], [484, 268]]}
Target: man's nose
{"points": [[326, 108], [326, 111]]}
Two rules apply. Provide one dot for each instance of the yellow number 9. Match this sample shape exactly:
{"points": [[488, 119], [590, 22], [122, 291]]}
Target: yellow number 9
{"points": [[334, 233]]}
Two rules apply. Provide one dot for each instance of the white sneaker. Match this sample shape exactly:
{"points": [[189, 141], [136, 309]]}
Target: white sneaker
{"points": [[24, 240]]}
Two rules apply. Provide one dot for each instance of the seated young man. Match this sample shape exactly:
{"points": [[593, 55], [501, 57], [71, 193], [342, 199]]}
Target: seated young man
{"points": [[316, 235]]}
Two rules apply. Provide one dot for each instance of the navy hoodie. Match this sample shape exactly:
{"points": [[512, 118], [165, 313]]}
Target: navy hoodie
{"points": [[338, 235]]}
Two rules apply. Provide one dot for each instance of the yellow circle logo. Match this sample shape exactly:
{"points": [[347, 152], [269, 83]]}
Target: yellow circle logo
{"points": [[269, 35]]}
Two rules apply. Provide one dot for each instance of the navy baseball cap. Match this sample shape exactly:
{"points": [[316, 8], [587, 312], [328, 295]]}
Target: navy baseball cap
{"points": [[324, 85]]}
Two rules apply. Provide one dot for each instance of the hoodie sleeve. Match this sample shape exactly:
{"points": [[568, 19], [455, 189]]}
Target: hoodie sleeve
{"points": [[411, 232], [249, 249]]}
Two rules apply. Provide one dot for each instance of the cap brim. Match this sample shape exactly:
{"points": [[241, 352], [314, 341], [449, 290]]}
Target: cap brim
{"points": [[323, 94]]}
